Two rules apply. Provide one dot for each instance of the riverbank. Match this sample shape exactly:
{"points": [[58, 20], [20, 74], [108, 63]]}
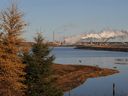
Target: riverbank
{"points": [[103, 47], [67, 77]]}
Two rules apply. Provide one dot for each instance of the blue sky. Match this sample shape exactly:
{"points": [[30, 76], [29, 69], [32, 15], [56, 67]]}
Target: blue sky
{"points": [[71, 17]]}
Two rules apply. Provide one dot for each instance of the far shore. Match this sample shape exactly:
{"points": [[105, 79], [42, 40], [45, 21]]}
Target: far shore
{"points": [[67, 77]]}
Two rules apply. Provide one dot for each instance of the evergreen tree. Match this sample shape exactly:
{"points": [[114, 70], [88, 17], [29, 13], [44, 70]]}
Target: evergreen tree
{"points": [[11, 66], [39, 62]]}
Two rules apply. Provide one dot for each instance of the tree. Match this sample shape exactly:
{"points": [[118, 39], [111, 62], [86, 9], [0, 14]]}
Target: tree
{"points": [[11, 67], [39, 62]]}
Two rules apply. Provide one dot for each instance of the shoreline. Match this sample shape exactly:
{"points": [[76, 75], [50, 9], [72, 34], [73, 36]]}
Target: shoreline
{"points": [[103, 48], [67, 77]]}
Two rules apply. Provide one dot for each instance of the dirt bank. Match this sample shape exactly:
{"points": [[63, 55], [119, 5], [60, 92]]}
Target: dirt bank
{"points": [[68, 77]]}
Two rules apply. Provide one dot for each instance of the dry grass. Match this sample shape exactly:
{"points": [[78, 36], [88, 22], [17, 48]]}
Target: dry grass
{"points": [[68, 77]]}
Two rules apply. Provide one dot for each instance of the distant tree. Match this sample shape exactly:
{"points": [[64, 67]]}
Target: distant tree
{"points": [[39, 62], [11, 66]]}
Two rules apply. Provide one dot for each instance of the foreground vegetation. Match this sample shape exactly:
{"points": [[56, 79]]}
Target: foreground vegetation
{"points": [[39, 70], [11, 66], [23, 73]]}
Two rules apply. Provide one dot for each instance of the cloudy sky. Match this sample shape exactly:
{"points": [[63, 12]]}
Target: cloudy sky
{"points": [[71, 17]]}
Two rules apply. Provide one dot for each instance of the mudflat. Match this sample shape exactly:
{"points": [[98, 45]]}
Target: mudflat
{"points": [[67, 77]]}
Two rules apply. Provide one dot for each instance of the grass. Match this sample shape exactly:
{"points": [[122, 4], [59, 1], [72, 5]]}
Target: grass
{"points": [[68, 77]]}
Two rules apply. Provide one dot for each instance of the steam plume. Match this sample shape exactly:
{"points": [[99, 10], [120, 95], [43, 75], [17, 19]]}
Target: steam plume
{"points": [[102, 36]]}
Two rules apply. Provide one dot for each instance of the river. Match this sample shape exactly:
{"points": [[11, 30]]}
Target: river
{"points": [[100, 86]]}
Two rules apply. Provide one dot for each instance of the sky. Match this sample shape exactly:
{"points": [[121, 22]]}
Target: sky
{"points": [[71, 17]]}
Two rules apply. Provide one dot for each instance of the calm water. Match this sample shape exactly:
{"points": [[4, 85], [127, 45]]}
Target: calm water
{"points": [[101, 86]]}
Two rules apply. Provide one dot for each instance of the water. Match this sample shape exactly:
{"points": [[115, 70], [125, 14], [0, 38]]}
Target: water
{"points": [[101, 86]]}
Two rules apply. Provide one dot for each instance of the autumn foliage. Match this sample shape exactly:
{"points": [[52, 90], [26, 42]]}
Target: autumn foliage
{"points": [[22, 72], [11, 67]]}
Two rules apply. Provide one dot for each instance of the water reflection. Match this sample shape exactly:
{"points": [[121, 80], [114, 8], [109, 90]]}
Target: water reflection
{"points": [[122, 61], [97, 86]]}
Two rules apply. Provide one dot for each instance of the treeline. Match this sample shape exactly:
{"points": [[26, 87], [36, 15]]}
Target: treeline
{"points": [[23, 71]]}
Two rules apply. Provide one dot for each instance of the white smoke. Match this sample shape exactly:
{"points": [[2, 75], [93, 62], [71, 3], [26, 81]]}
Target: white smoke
{"points": [[111, 34], [105, 34], [102, 36], [91, 35], [73, 39]]}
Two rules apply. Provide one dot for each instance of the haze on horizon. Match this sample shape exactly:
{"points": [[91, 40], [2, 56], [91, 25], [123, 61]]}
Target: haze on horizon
{"points": [[71, 17]]}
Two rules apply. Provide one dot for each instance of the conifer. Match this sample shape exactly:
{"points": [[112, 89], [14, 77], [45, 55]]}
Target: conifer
{"points": [[11, 67], [39, 62]]}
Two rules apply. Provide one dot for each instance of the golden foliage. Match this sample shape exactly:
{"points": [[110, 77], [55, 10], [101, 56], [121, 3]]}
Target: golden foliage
{"points": [[11, 67]]}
